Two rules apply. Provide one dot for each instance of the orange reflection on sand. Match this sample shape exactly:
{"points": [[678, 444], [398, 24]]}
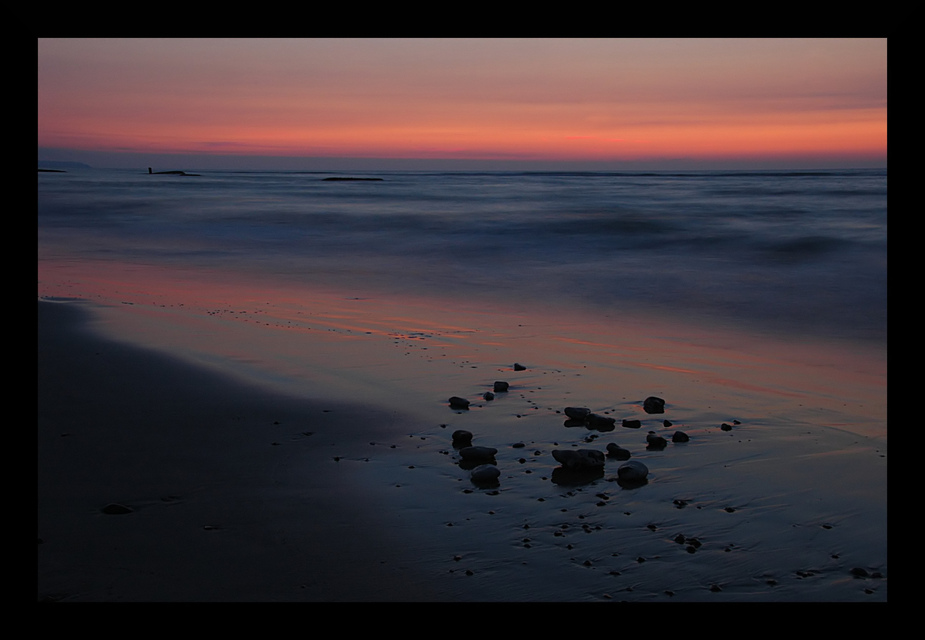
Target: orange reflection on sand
{"points": [[314, 334]]}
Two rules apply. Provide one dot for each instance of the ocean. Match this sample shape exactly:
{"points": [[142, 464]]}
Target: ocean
{"points": [[754, 303], [787, 253]]}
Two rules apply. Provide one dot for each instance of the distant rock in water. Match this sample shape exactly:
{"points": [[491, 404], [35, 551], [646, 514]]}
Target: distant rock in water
{"points": [[347, 179], [170, 173]]}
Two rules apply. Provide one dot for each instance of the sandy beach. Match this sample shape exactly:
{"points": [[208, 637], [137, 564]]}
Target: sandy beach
{"points": [[206, 466], [273, 451]]}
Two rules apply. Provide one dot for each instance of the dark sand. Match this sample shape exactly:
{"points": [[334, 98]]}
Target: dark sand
{"points": [[190, 402], [206, 464]]}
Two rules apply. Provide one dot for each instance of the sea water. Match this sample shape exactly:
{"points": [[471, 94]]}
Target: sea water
{"points": [[783, 252]]}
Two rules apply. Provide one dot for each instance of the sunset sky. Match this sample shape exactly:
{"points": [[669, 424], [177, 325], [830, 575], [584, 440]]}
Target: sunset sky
{"points": [[603, 103]]}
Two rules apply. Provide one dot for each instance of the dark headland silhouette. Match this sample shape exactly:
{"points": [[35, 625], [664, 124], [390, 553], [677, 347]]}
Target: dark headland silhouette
{"points": [[60, 166]]}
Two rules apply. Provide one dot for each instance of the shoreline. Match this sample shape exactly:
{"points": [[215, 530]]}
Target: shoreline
{"points": [[809, 456]]}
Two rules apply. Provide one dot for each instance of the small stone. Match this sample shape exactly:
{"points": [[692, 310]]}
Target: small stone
{"points": [[461, 437], [458, 403], [599, 422], [726, 427], [519, 367], [485, 473], [653, 404], [577, 413], [477, 453], [633, 471], [501, 386], [488, 395], [632, 424], [616, 451], [654, 441], [680, 436]]}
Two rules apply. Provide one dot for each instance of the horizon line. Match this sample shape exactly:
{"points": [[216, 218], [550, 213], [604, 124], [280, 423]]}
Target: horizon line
{"points": [[230, 162]]}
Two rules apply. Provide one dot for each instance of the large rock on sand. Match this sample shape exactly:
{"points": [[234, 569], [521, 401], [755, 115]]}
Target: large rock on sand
{"points": [[475, 453], [485, 474], [616, 451], [633, 471], [653, 404], [579, 459], [577, 413], [458, 403]]}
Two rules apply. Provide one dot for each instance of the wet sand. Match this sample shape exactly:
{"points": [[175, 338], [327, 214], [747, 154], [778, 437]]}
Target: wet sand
{"points": [[272, 448], [206, 465]]}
